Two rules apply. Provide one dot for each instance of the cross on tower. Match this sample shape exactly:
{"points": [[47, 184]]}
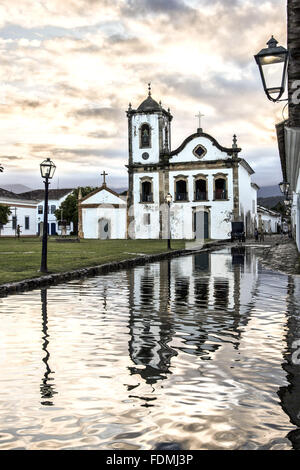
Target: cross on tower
{"points": [[104, 174], [199, 116]]}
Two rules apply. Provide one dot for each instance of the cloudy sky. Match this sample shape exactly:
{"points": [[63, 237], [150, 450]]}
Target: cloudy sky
{"points": [[69, 68]]}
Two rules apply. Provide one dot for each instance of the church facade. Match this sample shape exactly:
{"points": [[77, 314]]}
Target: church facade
{"points": [[210, 184]]}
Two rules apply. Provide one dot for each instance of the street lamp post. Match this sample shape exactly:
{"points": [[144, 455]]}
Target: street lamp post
{"points": [[272, 63], [168, 201], [47, 171]]}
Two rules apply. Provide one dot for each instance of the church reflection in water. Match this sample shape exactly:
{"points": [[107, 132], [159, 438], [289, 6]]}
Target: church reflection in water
{"points": [[193, 305], [188, 300]]}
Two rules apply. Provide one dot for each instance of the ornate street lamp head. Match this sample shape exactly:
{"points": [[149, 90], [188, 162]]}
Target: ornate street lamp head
{"points": [[272, 63], [284, 187], [169, 198], [47, 168]]}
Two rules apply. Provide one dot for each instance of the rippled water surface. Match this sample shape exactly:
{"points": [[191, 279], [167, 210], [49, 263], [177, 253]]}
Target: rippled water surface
{"points": [[198, 351]]}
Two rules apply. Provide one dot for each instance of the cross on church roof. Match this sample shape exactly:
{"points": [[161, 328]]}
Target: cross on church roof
{"points": [[104, 174], [199, 116]]}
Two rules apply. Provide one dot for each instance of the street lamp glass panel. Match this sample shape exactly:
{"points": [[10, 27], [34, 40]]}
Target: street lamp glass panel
{"points": [[272, 63], [273, 72], [169, 198], [47, 168]]}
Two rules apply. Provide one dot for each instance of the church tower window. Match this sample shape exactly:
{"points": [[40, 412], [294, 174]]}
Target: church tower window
{"points": [[145, 136], [146, 190]]}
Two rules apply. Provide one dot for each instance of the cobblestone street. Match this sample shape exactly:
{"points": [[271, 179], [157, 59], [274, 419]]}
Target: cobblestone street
{"points": [[279, 253]]}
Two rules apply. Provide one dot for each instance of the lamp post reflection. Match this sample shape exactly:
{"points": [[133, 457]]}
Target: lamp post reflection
{"points": [[46, 389]]}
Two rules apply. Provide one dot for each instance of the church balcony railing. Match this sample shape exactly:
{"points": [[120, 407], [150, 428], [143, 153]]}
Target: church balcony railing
{"points": [[147, 197], [200, 196], [220, 195], [181, 196]]}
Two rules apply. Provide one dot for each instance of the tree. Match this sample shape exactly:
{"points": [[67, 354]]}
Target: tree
{"points": [[68, 210], [279, 207], [4, 214]]}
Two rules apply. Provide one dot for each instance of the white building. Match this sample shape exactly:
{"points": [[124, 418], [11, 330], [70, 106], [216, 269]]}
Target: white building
{"points": [[210, 184], [289, 150], [56, 197], [23, 213], [102, 214], [269, 221]]}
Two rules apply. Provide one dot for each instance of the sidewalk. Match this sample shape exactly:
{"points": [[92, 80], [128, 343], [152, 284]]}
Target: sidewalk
{"points": [[279, 253]]}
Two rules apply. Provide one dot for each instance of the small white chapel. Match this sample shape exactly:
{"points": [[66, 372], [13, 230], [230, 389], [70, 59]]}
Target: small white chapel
{"points": [[102, 214]]}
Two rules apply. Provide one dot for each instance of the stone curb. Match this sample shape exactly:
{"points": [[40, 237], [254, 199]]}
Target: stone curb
{"points": [[52, 279]]}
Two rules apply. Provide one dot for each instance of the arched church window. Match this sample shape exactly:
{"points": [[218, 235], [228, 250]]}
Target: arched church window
{"points": [[200, 190], [145, 136], [220, 184], [181, 190]]}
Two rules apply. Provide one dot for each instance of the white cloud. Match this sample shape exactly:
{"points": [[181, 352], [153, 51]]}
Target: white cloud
{"points": [[69, 69]]}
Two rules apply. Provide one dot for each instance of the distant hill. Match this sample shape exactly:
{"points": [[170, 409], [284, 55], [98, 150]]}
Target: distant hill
{"points": [[119, 190], [269, 191], [16, 188], [269, 202]]}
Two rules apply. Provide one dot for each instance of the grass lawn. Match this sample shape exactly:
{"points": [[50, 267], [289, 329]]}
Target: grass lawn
{"points": [[21, 259]]}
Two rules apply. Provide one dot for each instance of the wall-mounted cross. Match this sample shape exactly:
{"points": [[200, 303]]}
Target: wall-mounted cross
{"points": [[199, 116], [104, 174]]}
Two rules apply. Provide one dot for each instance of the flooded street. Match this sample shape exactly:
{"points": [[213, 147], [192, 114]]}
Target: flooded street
{"points": [[199, 351]]}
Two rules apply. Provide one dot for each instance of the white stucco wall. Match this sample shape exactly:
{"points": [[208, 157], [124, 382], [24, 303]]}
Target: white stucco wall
{"points": [[182, 212], [186, 155], [141, 229], [115, 216], [28, 209], [248, 200]]}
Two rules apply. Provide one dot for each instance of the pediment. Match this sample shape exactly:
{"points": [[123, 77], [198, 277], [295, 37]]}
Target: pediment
{"points": [[103, 196]]}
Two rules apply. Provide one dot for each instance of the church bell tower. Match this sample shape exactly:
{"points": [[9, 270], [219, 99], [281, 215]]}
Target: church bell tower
{"points": [[148, 131], [149, 141]]}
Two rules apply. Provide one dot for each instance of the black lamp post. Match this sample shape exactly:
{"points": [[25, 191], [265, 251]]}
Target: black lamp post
{"points": [[168, 201], [272, 63], [47, 172]]}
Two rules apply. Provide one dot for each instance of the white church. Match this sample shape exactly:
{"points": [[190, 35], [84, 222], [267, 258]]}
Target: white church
{"points": [[207, 184]]}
